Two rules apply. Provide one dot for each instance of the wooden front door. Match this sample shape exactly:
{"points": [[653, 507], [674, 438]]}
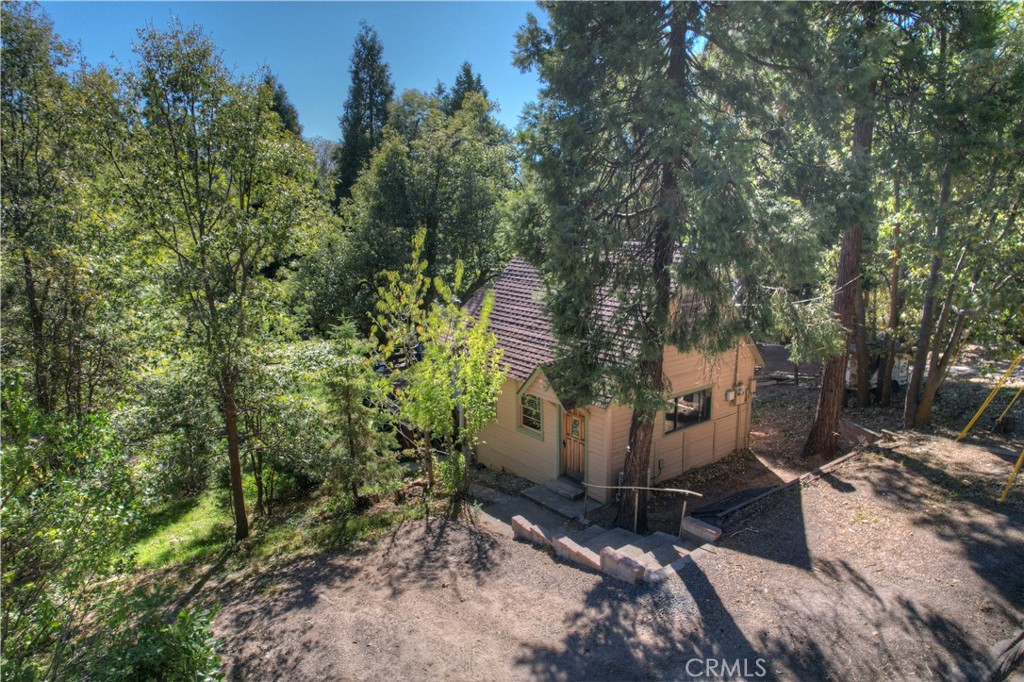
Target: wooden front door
{"points": [[574, 444]]}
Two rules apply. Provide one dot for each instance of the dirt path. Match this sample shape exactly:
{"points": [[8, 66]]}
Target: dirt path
{"points": [[894, 566]]}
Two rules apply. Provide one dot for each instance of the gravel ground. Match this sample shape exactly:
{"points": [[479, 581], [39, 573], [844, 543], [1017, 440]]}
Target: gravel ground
{"points": [[894, 566]]}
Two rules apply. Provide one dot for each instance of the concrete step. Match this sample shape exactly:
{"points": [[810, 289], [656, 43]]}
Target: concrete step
{"points": [[566, 487], [544, 496], [588, 534], [668, 553], [643, 545], [656, 573], [615, 538]]}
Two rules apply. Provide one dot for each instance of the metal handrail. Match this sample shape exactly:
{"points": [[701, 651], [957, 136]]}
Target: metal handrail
{"points": [[636, 499]]}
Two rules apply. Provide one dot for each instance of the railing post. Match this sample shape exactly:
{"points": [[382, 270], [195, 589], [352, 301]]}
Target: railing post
{"points": [[683, 515], [636, 507], [584, 501]]}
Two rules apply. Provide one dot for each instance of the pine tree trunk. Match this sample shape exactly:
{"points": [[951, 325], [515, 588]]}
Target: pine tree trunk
{"points": [[823, 437], [863, 359], [230, 409], [632, 513]]}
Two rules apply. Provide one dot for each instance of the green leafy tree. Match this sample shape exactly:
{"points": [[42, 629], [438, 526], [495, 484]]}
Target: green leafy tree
{"points": [[641, 153], [457, 372], [366, 109], [447, 174], [172, 428], [282, 416], [220, 190], [68, 272], [968, 191], [68, 511], [363, 451]]}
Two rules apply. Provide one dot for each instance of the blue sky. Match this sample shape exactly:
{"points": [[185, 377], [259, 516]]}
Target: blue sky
{"points": [[308, 44]]}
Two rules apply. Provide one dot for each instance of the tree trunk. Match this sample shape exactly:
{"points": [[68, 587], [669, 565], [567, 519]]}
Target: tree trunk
{"points": [[632, 513], [257, 475], [863, 359], [895, 305], [923, 416], [428, 459], [230, 409], [924, 334], [823, 437]]}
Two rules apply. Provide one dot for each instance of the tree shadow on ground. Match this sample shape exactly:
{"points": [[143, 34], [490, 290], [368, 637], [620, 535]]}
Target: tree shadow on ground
{"points": [[789, 544], [951, 507], [793, 616], [415, 553]]}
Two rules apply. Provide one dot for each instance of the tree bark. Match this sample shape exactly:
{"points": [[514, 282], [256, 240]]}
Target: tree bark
{"points": [[863, 359], [823, 437], [632, 513], [924, 333], [923, 416], [230, 409], [895, 304]]}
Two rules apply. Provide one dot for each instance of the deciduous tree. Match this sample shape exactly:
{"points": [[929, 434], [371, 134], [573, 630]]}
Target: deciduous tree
{"points": [[219, 189]]}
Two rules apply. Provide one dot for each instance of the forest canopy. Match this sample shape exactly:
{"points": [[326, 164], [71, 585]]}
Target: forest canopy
{"points": [[200, 303]]}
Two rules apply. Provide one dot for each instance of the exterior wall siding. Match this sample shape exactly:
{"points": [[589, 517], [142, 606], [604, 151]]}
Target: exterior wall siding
{"points": [[702, 444], [504, 446], [597, 451]]}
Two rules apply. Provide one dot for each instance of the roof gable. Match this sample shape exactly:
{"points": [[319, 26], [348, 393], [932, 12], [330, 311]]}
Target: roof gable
{"points": [[518, 318]]}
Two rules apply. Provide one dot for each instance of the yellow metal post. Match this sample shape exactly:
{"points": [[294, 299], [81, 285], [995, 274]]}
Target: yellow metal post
{"points": [[1012, 402], [988, 400], [1013, 475]]}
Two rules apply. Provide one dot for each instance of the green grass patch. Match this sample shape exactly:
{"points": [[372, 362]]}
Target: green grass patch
{"points": [[185, 531]]}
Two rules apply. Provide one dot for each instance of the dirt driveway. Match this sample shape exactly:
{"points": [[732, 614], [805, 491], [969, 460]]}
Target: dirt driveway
{"points": [[897, 565]]}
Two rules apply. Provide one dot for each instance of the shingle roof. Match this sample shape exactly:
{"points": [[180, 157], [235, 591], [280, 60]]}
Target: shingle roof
{"points": [[518, 318], [523, 327]]}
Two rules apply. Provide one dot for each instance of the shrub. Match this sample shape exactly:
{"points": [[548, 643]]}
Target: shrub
{"points": [[182, 650]]}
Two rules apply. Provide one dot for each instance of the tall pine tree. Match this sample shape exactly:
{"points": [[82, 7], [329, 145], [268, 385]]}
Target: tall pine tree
{"points": [[283, 106], [641, 158], [366, 110], [465, 82]]}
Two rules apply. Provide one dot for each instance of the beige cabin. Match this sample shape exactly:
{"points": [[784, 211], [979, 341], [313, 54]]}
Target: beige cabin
{"points": [[706, 416]]}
